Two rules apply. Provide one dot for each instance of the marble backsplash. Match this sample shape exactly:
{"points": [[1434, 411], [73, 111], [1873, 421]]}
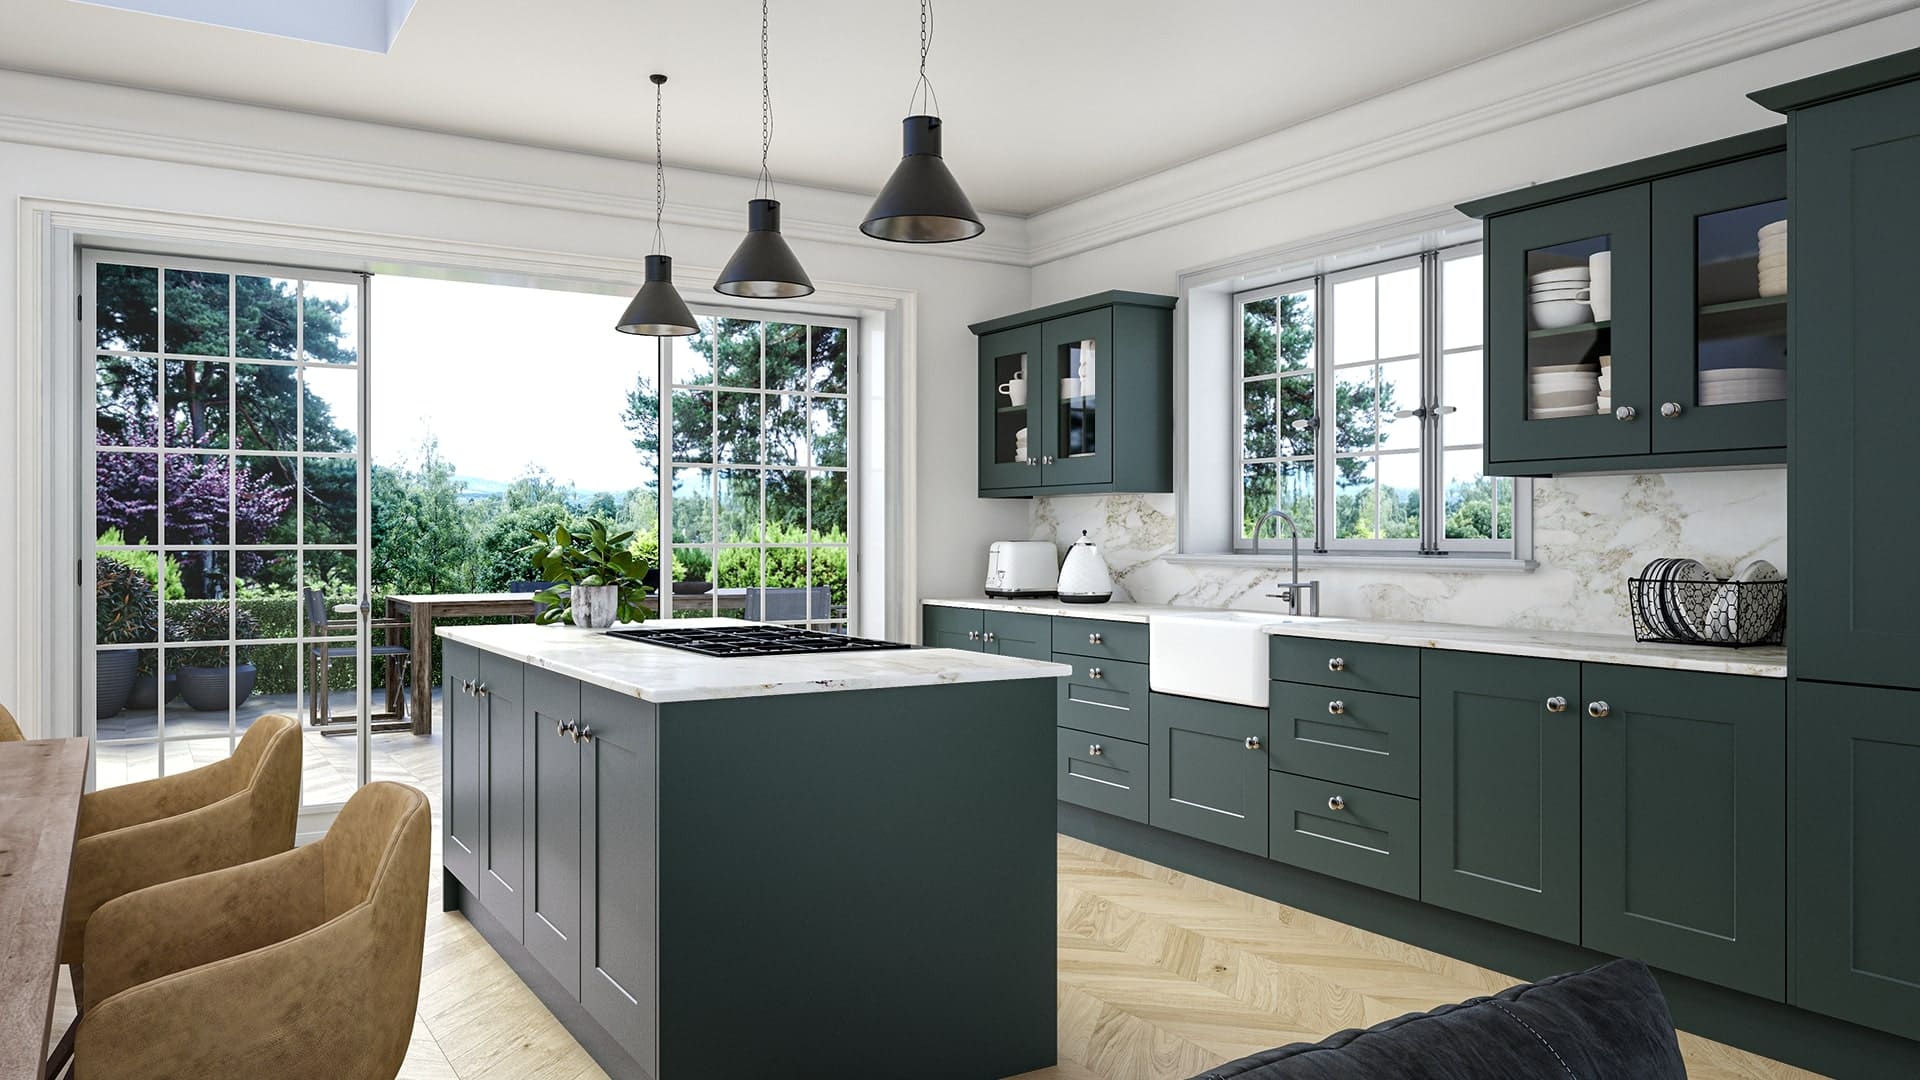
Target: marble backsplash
{"points": [[1590, 534]]}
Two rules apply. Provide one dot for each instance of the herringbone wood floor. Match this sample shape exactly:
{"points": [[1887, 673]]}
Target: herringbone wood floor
{"points": [[1160, 976]]}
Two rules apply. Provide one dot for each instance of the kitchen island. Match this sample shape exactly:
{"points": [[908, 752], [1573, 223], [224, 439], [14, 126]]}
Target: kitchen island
{"points": [[832, 864]]}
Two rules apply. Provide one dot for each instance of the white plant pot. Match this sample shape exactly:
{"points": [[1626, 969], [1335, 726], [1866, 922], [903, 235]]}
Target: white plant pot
{"points": [[595, 606]]}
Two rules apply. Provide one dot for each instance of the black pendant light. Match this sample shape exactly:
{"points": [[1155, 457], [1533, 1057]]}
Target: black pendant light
{"points": [[922, 202], [657, 310], [763, 267]]}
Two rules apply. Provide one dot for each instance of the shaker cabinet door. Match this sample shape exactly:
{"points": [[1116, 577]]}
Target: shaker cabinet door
{"points": [[460, 764], [952, 628], [1077, 365], [1500, 789], [1012, 421], [504, 784], [551, 898], [619, 849], [1209, 771], [1856, 227], [1010, 633], [1684, 813]]}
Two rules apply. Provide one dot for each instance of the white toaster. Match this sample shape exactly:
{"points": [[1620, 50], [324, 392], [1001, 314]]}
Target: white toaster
{"points": [[1022, 568]]}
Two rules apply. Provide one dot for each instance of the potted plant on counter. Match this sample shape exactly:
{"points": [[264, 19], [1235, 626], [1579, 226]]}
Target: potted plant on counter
{"points": [[204, 670], [596, 578]]}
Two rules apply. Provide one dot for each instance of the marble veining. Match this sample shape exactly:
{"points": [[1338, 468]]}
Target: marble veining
{"points": [[1590, 534], [659, 674], [1763, 662]]}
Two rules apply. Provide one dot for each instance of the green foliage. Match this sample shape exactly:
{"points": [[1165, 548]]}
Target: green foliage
{"points": [[786, 567], [499, 550], [594, 557], [420, 539], [147, 562], [125, 608], [1470, 510]]}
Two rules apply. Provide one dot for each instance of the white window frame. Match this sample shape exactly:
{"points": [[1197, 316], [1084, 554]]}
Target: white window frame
{"points": [[1431, 410]]}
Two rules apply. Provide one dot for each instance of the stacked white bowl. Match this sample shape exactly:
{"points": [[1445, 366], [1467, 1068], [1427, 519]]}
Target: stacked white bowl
{"points": [[1604, 404], [1730, 386], [1562, 390], [1557, 298], [1773, 259]]}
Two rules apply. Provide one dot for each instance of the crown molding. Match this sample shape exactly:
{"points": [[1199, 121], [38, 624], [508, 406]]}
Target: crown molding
{"points": [[69, 114], [1601, 59]]}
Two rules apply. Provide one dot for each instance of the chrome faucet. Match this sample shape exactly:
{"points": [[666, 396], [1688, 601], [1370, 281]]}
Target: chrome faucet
{"points": [[1291, 588]]}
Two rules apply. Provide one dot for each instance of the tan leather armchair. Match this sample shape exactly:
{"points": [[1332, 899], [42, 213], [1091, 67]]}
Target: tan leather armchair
{"points": [[302, 966], [9, 731], [230, 812]]}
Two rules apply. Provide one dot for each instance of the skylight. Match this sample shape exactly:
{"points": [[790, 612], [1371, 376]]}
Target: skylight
{"points": [[369, 25]]}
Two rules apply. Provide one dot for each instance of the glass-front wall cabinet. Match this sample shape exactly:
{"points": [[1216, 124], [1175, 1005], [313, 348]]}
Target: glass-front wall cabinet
{"points": [[1077, 365], [1010, 412]]}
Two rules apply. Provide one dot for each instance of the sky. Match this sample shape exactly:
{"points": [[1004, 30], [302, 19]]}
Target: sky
{"points": [[505, 377]]}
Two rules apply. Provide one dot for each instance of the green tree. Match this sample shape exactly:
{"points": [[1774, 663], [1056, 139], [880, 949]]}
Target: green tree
{"points": [[420, 538]]}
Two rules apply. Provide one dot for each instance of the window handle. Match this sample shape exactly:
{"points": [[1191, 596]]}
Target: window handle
{"points": [[1402, 414], [1444, 410], [1301, 425]]}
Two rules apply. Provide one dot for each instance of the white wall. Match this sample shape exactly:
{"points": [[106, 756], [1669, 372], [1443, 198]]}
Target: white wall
{"points": [[1592, 532], [238, 162]]}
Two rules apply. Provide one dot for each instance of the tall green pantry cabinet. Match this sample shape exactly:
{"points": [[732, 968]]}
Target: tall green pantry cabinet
{"points": [[1854, 138]]}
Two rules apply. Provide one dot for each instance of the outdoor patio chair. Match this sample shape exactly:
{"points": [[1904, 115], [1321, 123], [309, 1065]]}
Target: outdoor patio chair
{"points": [[323, 652], [788, 605], [302, 966]]}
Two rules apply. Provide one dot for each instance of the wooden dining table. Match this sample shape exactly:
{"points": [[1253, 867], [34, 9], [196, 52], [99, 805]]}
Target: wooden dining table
{"points": [[422, 610], [40, 784]]}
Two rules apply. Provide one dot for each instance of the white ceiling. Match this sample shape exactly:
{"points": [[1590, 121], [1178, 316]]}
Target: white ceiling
{"points": [[1046, 100]]}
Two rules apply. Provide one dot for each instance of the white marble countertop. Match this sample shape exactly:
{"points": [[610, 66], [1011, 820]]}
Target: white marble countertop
{"points": [[1768, 662], [659, 674]]}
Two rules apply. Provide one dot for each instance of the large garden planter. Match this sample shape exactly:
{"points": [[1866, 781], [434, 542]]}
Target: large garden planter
{"points": [[113, 680], [146, 690], [205, 688]]}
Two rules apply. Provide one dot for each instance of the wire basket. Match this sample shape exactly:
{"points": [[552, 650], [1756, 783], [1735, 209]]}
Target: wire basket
{"points": [[1733, 614]]}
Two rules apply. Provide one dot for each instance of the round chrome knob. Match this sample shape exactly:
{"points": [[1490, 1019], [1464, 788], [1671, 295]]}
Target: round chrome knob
{"points": [[1336, 707], [1598, 709], [562, 728], [1095, 750], [1336, 664], [1670, 409], [1093, 639], [1625, 412], [1253, 742], [1335, 802], [988, 636], [1556, 704], [584, 734], [479, 689], [1093, 673], [973, 635], [1046, 460]]}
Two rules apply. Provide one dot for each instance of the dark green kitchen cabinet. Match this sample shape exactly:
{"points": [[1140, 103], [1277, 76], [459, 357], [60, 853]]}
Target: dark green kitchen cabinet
{"points": [[1010, 633], [551, 899], [1663, 279], [460, 763], [1077, 398], [505, 783], [1500, 789], [1102, 773], [953, 628], [1111, 697], [619, 862], [1856, 228], [1856, 851], [1209, 771], [1684, 813]]}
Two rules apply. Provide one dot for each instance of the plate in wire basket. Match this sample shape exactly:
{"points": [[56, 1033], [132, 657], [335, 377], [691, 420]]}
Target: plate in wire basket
{"points": [[1748, 609]]}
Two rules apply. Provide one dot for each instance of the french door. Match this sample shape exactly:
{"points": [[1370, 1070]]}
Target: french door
{"points": [[225, 517]]}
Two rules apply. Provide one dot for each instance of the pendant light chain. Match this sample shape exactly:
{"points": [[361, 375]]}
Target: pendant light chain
{"points": [[659, 170], [926, 84], [766, 109]]}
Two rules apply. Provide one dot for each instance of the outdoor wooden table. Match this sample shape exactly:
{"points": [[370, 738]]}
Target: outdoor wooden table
{"points": [[40, 785], [422, 609]]}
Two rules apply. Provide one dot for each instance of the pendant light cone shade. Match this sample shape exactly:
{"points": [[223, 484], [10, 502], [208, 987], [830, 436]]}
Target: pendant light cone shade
{"points": [[922, 202], [763, 267], [657, 310]]}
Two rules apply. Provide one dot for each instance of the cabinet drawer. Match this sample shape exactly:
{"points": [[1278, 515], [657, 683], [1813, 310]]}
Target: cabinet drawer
{"points": [[1100, 639], [1346, 736], [1349, 665], [1105, 696], [1366, 837], [1102, 773]]}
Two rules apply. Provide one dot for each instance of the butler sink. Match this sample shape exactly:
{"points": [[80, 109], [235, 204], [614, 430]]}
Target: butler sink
{"points": [[1216, 655]]}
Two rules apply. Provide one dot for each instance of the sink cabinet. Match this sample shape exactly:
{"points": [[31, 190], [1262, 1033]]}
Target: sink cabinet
{"points": [[1077, 398], [1209, 778], [1693, 347]]}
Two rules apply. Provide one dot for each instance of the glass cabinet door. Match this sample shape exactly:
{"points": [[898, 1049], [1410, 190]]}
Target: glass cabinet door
{"points": [[1077, 365], [1567, 329], [1720, 307], [1012, 419]]}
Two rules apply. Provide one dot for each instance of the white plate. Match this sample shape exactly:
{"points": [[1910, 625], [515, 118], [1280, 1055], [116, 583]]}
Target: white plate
{"points": [[1560, 413], [1566, 273], [1723, 374], [1724, 619], [1565, 369], [1774, 228]]}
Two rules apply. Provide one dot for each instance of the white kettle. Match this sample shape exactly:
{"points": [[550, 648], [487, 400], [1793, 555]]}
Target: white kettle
{"points": [[1084, 577]]}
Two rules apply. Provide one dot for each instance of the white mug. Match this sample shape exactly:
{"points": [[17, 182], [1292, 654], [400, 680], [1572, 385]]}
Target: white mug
{"points": [[1600, 269], [1015, 389], [1069, 389]]}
